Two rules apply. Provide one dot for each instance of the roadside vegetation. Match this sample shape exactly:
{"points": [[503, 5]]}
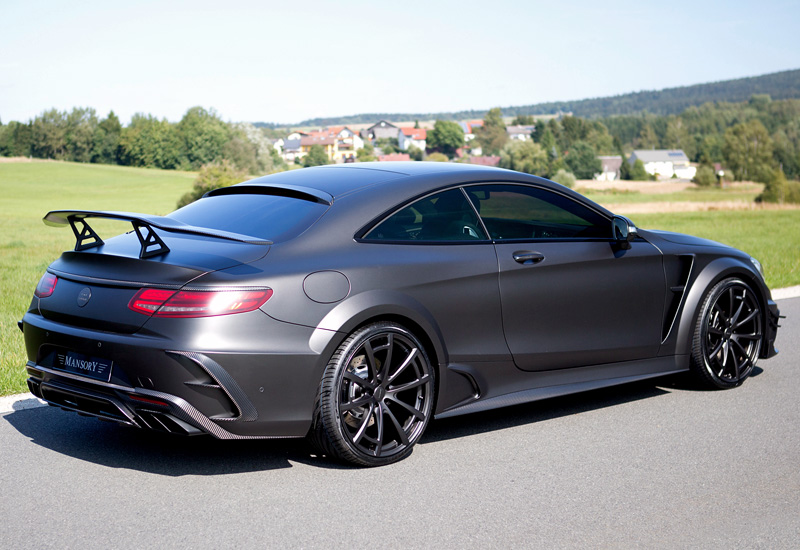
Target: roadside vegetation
{"points": [[754, 140], [27, 246]]}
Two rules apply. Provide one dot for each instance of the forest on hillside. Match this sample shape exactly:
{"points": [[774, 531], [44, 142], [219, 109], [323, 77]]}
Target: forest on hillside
{"points": [[669, 101]]}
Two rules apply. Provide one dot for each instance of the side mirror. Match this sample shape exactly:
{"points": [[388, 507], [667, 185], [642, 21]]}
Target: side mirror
{"points": [[624, 232]]}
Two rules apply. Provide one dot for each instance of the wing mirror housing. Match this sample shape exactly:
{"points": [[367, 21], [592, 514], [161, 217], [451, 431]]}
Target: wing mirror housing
{"points": [[624, 232]]}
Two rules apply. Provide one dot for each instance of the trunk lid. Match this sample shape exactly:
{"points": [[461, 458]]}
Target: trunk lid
{"points": [[96, 285]]}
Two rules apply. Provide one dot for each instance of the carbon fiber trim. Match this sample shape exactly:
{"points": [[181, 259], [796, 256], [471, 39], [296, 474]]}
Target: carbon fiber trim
{"points": [[186, 412], [247, 411], [180, 408]]}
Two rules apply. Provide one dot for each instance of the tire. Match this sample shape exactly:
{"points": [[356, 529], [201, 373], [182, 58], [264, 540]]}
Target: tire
{"points": [[376, 397], [727, 336]]}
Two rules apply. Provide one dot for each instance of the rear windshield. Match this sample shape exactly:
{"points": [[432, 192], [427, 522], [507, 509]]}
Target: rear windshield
{"points": [[270, 217]]}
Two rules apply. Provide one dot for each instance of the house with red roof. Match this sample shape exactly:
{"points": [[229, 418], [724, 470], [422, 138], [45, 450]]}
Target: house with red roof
{"points": [[394, 157], [406, 137]]}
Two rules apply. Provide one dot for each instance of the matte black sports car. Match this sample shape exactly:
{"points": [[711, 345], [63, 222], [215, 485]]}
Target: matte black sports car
{"points": [[353, 303]]}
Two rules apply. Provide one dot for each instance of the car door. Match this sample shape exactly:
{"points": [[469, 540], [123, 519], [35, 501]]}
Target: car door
{"points": [[435, 251], [571, 296]]}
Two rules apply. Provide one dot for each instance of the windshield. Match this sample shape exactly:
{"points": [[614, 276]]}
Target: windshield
{"points": [[270, 217]]}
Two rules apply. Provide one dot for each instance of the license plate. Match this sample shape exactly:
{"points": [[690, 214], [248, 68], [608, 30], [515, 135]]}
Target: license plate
{"points": [[84, 365]]}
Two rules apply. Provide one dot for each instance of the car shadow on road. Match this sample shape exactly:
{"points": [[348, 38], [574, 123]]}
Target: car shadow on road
{"points": [[548, 409], [116, 446]]}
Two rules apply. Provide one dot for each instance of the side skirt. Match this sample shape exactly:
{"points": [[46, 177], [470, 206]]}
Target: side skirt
{"points": [[544, 385]]}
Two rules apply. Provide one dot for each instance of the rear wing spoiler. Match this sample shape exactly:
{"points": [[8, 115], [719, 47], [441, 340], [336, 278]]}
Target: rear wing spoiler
{"points": [[143, 225]]}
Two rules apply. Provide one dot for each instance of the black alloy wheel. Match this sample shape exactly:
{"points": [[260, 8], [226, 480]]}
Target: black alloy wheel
{"points": [[728, 335], [376, 396]]}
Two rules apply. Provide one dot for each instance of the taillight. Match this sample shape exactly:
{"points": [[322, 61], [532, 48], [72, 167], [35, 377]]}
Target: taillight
{"points": [[197, 303], [46, 286]]}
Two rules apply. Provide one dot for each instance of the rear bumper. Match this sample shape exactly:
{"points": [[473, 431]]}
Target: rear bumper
{"points": [[135, 407], [184, 382]]}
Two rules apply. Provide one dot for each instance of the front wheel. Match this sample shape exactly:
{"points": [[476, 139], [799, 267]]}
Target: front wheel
{"points": [[728, 335], [376, 396]]}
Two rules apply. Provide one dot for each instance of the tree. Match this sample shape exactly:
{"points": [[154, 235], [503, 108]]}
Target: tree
{"points": [[415, 152], [748, 151], [523, 120], [524, 156], [366, 153], [677, 137], [316, 157], [775, 188], [625, 169], [203, 135], [106, 139], [574, 129], [446, 137], [437, 157], [492, 136], [647, 138], [49, 135], [638, 173], [582, 161], [16, 139], [705, 176], [388, 145], [81, 126], [567, 179], [150, 142], [212, 176]]}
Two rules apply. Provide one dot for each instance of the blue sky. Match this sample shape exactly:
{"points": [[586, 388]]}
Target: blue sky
{"points": [[288, 61]]}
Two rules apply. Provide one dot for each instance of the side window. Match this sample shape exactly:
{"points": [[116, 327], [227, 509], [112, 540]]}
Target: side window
{"points": [[445, 216], [523, 212]]}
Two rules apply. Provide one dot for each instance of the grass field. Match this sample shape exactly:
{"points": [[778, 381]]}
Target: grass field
{"points": [[30, 190], [27, 192], [745, 193]]}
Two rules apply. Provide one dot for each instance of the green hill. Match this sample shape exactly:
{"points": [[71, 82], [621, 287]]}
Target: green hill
{"points": [[669, 101]]}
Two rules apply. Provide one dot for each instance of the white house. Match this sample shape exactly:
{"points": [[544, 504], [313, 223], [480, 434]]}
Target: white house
{"points": [[664, 162], [610, 168], [520, 133], [406, 137]]}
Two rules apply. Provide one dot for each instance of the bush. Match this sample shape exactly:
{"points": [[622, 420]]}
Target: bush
{"points": [[316, 157], [212, 176], [366, 153], [415, 152], [705, 176], [778, 190], [565, 178], [437, 157], [524, 156], [638, 173]]}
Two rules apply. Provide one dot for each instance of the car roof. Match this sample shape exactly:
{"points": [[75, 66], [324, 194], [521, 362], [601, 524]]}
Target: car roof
{"points": [[392, 182], [341, 179]]}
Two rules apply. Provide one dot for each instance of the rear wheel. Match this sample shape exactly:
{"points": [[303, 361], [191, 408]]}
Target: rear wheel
{"points": [[376, 396], [728, 335]]}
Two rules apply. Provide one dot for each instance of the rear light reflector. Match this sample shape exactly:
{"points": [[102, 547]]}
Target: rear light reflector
{"points": [[197, 303], [46, 286], [149, 401]]}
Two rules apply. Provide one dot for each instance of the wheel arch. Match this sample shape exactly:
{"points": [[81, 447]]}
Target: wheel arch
{"points": [[380, 305], [712, 273]]}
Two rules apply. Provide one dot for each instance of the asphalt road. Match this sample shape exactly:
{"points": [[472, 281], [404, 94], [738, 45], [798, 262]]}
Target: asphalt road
{"points": [[649, 465]]}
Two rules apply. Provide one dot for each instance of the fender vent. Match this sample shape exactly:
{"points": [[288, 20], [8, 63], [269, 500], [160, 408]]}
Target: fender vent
{"points": [[676, 270]]}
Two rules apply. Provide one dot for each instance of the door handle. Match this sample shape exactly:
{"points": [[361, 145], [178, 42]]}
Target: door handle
{"points": [[527, 257]]}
